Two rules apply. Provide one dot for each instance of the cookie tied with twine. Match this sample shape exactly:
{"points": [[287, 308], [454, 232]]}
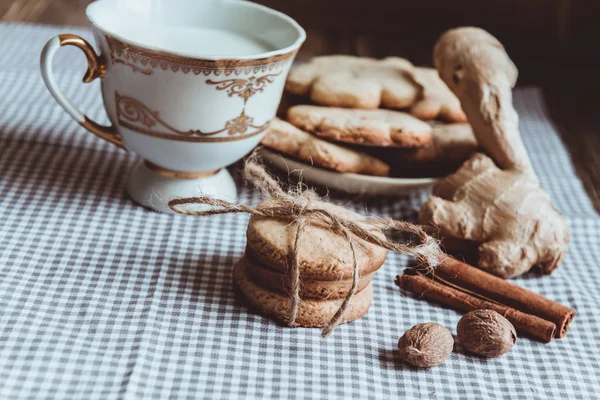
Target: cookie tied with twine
{"points": [[304, 208]]}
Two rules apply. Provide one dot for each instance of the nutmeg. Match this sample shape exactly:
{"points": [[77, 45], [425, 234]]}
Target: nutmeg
{"points": [[486, 333], [426, 345]]}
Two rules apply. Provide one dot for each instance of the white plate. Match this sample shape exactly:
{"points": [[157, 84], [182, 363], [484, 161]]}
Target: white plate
{"points": [[345, 182]]}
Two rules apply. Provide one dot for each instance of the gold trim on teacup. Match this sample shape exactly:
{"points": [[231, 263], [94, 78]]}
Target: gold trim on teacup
{"points": [[96, 66], [134, 115], [129, 55], [244, 88], [178, 174]]}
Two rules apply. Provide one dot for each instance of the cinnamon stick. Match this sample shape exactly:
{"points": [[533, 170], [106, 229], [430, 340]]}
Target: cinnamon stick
{"points": [[527, 324], [483, 284]]}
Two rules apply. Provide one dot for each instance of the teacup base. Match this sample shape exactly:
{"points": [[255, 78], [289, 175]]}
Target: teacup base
{"points": [[153, 187]]}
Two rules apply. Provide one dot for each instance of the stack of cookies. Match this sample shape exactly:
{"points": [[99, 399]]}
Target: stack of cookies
{"points": [[326, 268], [353, 121]]}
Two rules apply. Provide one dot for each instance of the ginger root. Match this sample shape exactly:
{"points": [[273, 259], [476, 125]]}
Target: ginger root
{"points": [[494, 199]]}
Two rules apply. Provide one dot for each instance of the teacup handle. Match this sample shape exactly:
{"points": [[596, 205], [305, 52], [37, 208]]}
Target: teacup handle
{"points": [[96, 69]]}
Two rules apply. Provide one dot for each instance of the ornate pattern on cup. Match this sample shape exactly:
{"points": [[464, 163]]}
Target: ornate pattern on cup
{"points": [[145, 61], [242, 79], [134, 115]]}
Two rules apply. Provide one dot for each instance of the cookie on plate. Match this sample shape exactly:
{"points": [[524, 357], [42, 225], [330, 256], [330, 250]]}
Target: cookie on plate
{"points": [[324, 255], [435, 99], [311, 313], [372, 127], [451, 142], [309, 288], [355, 82], [288, 139]]}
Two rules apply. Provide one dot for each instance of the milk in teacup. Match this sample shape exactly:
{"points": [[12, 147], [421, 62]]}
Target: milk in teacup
{"points": [[195, 40]]}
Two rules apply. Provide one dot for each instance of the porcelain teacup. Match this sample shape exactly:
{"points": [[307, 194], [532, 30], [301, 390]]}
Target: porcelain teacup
{"points": [[190, 86]]}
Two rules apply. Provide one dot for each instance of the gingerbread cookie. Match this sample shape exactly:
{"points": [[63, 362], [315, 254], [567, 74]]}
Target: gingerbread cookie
{"points": [[288, 139], [435, 99], [451, 142], [374, 127], [324, 255], [309, 288], [311, 313], [355, 82]]}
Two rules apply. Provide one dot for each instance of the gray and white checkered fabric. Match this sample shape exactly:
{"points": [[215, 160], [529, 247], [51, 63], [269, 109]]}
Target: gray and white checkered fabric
{"points": [[102, 299]]}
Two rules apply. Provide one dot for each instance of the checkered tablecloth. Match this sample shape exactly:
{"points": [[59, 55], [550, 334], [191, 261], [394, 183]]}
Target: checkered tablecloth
{"points": [[102, 299]]}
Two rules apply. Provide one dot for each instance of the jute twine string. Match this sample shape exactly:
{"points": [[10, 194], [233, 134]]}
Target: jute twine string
{"points": [[304, 208]]}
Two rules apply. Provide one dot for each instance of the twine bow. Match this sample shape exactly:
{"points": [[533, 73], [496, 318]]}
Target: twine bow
{"points": [[305, 208]]}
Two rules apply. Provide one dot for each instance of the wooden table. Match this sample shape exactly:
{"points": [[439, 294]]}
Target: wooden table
{"points": [[570, 90]]}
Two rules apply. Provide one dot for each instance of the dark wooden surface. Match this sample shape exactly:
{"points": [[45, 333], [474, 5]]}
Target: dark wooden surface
{"points": [[553, 42]]}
